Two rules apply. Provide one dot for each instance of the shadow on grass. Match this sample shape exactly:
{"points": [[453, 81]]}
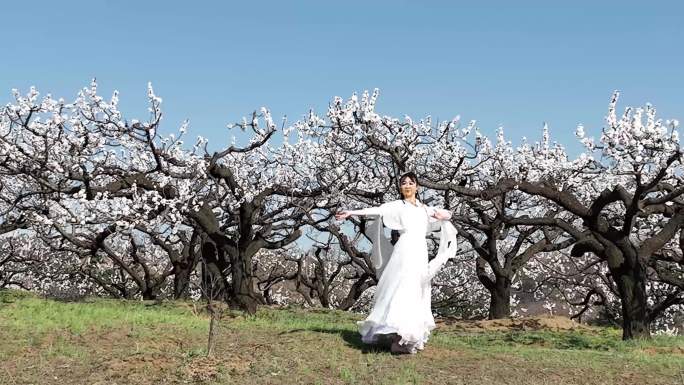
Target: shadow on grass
{"points": [[352, 338]]}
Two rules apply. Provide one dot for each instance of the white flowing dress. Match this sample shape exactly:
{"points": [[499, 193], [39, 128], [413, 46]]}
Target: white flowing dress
{"points": [[402, 300]]}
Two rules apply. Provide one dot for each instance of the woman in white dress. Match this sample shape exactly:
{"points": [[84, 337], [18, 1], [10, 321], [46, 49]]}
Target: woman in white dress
{"points": [[402, 301]]}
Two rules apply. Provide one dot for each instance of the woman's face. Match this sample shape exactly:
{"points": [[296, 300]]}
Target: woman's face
{"points": [[408, 188]]}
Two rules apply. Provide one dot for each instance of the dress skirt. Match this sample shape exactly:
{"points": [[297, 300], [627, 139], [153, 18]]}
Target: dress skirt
{"points": [[402, 300]]}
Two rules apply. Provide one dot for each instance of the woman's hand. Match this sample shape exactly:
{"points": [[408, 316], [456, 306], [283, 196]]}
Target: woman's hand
{"points": [[441, 215], [342, 215]]}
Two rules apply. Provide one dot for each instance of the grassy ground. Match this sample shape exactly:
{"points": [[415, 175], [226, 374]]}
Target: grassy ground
{"points": [[119, 342]]}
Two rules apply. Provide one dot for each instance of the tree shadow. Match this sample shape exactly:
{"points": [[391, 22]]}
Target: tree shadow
{"points": [[351, 338]]}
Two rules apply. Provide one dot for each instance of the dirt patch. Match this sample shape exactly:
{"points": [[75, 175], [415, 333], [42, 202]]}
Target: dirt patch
{"points": [[203, 368], [676, 350], [137, 367], [434, 352], [554, 323], [209, 368]]}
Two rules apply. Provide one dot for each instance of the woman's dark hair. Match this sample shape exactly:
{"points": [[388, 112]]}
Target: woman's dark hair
{"points": [[411, 175]]}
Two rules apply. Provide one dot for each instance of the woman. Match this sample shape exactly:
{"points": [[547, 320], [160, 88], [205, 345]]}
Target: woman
{"points": [[401, 304]]}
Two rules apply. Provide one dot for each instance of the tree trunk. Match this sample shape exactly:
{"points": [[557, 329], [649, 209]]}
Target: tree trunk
{"points": [[500, 302], [148, 294], [181, 280], [632, 288], [214, 282], [355, 291], [324, 298], [244, 292]]}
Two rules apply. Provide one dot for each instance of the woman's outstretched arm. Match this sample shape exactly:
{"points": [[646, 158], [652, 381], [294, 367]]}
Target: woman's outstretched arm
{"points": [[439, 214], [344, 214]]}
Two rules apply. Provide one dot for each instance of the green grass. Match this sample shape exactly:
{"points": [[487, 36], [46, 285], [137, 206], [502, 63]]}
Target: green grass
{"points": [[598, 341], [108, 341], [77, 317]]}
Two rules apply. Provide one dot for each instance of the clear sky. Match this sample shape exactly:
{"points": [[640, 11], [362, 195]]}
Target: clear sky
{"points": [[516, 64]]}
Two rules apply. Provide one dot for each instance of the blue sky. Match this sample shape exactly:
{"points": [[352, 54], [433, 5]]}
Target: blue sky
{"points": [[516, 64]]}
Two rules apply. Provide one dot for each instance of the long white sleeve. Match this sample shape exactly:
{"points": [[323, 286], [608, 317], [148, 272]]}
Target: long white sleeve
{"points": [[447, 248], [366, 211]]}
